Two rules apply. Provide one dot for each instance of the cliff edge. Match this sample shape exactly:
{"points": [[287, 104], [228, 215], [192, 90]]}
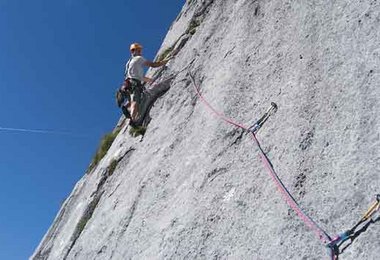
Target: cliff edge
{"points": [[196, 188]]}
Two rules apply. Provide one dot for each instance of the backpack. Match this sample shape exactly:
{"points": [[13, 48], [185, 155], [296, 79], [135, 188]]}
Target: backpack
{"points": [[123, 93]]}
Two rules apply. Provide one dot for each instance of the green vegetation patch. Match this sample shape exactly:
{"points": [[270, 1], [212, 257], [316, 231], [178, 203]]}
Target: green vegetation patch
{"points": [[86, 217], [112, 167], [193, 26], [136, 131], [105, 144], [165, 53], [191, 29], [82, 223]]}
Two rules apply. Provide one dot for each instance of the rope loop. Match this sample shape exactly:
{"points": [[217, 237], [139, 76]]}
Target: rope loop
{"points": [[319, 232]]}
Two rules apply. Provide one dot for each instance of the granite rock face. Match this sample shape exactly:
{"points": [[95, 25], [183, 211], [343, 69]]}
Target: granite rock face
{"points": [[195, 187]]}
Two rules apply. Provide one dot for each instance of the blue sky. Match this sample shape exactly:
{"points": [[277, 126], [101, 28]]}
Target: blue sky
{"points": [[60, 63]]}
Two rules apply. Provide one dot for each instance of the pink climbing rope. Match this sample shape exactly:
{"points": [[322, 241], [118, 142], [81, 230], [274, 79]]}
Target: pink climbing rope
{"points": [[222, 116], [319, 232]]}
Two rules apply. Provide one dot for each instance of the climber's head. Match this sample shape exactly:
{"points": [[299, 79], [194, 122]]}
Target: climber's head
{"points": [[135, 48]]}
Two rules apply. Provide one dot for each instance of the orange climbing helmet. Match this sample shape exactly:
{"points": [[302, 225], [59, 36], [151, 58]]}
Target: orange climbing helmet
{"points": [[135, 46]]}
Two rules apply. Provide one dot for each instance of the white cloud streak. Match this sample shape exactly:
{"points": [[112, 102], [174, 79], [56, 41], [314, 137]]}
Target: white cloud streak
{"points": [[40, 131]]}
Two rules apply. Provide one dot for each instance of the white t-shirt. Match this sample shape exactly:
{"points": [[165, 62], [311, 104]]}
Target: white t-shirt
{"points": [[134, 68]]}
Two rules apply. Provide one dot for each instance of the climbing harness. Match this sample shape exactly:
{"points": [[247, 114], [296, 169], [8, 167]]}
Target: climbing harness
{"points": [[331, 244]]}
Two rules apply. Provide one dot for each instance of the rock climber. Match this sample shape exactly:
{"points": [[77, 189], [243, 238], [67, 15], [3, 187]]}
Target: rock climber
{"points": [[134, 77]]}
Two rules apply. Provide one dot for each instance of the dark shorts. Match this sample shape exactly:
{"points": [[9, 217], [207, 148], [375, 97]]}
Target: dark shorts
{"points": [[136, 90]]}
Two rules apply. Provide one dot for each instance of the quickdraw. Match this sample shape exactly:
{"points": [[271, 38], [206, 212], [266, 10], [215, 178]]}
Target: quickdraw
{"points": [[370, 216], [259, 123]]}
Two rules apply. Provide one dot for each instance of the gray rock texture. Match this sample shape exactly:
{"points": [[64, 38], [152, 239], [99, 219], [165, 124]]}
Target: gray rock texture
{"points": [[195, 187]]}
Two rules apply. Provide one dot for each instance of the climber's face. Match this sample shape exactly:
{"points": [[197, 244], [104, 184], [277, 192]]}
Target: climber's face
{"points": [[136, 51]]}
